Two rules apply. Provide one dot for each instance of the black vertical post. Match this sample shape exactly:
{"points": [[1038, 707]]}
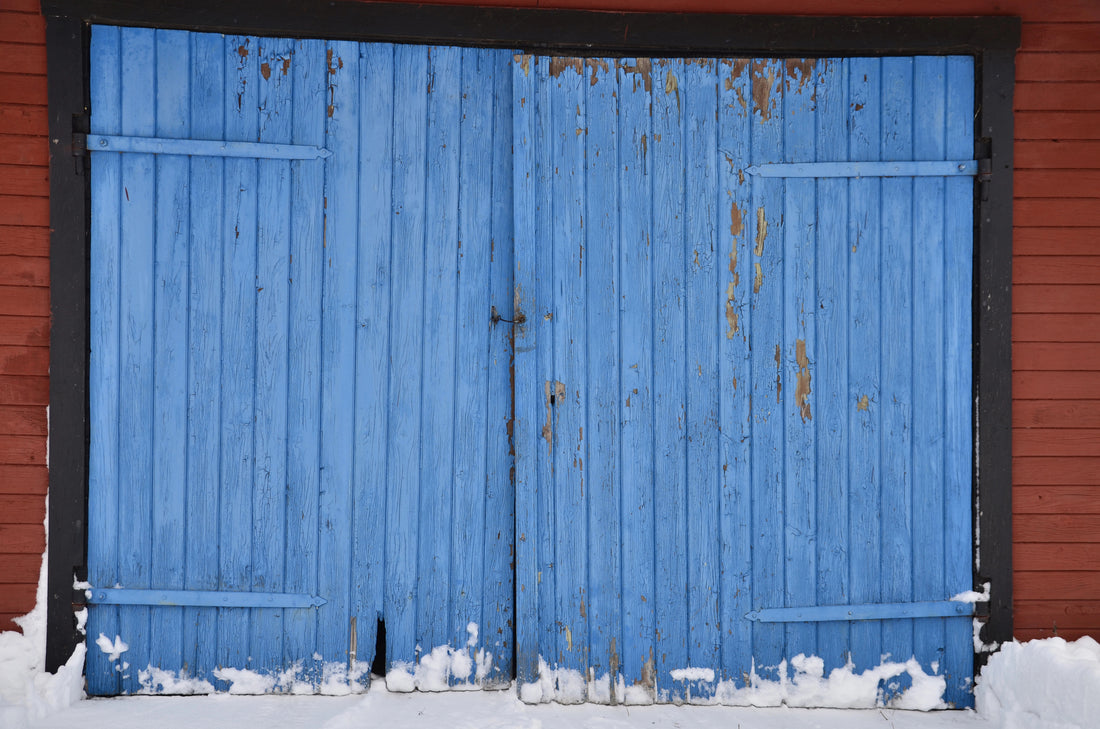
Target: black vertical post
{"points": [[67, 70], [993, 329]]}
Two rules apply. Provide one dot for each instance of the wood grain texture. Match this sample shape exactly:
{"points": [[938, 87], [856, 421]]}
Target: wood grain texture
{"points": [[1066, 96], [761, 516], [1052, 298], [23, 480], [1056, 499], [260, 365], [22, 241], [22, 509]]}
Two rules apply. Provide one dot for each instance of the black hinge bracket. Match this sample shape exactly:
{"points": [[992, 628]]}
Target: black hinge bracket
{"points": [[983, 153], [80, 135]]}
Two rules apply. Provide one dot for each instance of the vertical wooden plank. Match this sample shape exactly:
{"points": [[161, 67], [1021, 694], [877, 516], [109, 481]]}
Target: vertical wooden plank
{"points": [[136, 381], [468, 580], [800, 358], [438, 330], [528, 375], [766, 340], [896, 352], [864, 338], [272, 320], [832, 405], [103, 362], [929, 110], [238, 349], [568, 392], [501, 566], [406, 324], [635, 373], [958, 433], [669, 364], [735, 277], [200, 637], [372, 343], [338, 308], [170, 297], [602, 331], [305, 271], [544, 261], [698, 93]]}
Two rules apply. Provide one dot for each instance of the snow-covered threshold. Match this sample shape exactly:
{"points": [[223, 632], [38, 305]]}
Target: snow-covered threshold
{"points": [[1041, 684]]}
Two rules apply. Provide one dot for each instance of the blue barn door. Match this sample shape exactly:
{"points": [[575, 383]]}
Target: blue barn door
{"points": [[300, 400], [743, 378]]}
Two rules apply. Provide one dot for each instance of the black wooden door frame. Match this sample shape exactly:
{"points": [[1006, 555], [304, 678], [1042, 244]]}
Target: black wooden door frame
{"points": [[991, 40]]}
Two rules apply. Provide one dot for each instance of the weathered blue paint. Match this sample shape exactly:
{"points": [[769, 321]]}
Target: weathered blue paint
{"points": [[784, 360], [300, 403], [740, 361]]}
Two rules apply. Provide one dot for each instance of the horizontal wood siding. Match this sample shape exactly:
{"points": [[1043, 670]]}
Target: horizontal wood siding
{"points": [[1056, 265], [24, 304], [1056, 329]]}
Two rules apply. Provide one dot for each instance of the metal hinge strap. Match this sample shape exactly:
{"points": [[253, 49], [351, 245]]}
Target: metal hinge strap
{"points": [[871, 611], [933, 168], [203, 598], [202, 147]]}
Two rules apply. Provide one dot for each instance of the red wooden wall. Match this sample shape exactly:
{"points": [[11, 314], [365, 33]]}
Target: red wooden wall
{"points": [[24, 304], [1056, 293]]}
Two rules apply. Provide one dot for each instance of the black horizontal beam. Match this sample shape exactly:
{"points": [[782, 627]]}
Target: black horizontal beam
{"points": [[573, 31]]}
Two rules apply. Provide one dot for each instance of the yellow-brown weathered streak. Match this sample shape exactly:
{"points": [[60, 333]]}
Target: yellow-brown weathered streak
{"points": [[802, 387], [731, 314], [761, 231], [762, 84], [757, 280], [524, 61]]}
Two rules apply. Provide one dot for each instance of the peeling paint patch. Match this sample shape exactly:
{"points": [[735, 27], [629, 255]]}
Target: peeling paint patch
{"points": [[286, 63], [802, 387], [642, 69], [758, 280], [801, 70], [265, 70], [863, 403], [242, 51], [735, 223], [762, 84], [558, 64], [596, 64], [761, 231], [731, 314]]}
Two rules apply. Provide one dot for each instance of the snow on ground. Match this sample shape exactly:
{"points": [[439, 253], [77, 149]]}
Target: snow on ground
{"points": [[1045, 684], [1042, 684]]}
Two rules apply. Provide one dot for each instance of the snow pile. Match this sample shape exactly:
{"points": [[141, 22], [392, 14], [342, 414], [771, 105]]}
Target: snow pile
{"points": [[843, 688], [27, 692], [807, 686], [444, 669], [1042, 684]]}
